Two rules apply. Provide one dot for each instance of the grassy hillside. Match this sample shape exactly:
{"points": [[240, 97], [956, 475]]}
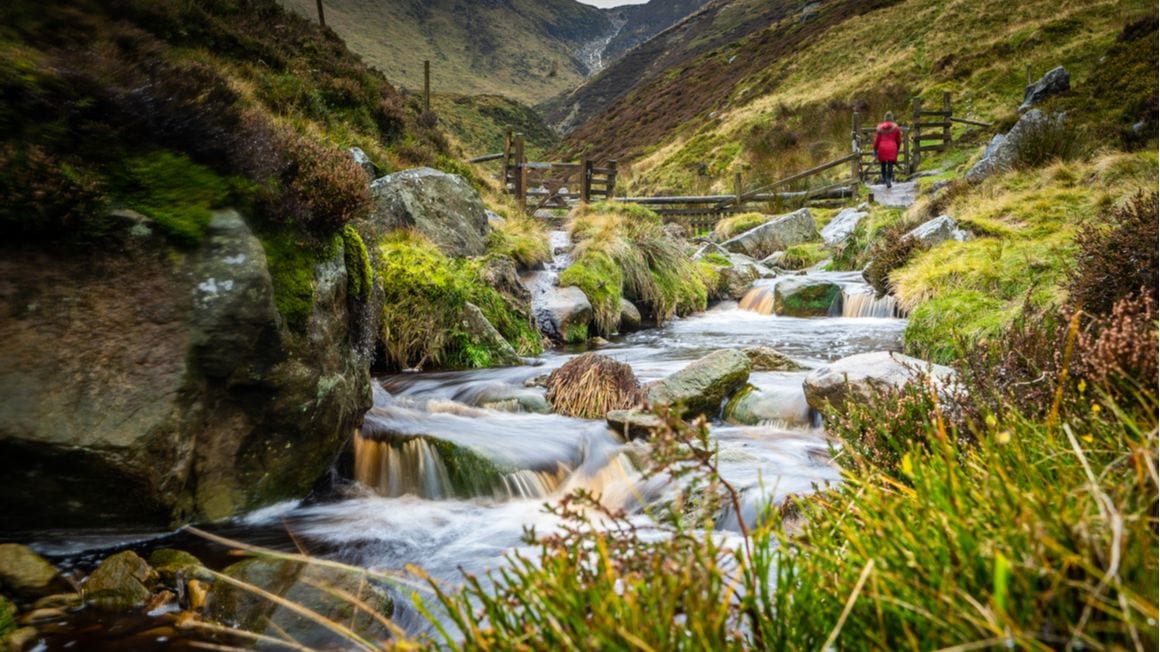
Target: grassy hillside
{"points": [[642, 22], [524, 49], [779, 96], [478, 123]]}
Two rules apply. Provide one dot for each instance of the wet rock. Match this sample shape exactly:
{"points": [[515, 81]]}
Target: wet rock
{"points": [[842, 226], [764, 358], [702, 386], [307, 586], [937, 231], [710, 248], [803, 296], [361, 159], [121, 582], [539, 380], [563, 314], [774, 259], [505, 398], [1055, 82], [24, 573], [43, 615], [443, 207], [629, 316], [21, 639], [859, 377], [753, 407], [634, 424], [479, 330], [175, 567], [66, 601], [779, 234]]}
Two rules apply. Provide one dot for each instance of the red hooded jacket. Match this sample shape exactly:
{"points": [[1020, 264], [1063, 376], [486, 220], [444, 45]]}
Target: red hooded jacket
{"points": [[887, 141]]}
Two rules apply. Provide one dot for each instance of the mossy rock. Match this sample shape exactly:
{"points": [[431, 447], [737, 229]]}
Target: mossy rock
{"points": [[176, 566], [702, 386], [121, 582], [764, 358], [24, 573], [805, 297], [7, 617]]}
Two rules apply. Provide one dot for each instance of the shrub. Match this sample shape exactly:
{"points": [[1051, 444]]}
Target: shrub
{"points": [[590, 385], [46, 197], [1052, 138], [1117, 258], [887, 255]]}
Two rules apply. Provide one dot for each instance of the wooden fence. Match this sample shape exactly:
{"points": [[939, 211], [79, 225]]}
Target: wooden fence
{"points": [[539, 185]]}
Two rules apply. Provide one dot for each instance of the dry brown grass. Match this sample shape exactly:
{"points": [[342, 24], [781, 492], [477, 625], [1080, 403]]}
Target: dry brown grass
{"points": [[592, 384]]}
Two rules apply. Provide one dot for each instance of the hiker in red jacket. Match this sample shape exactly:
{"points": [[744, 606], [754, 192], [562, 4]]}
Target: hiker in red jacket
{"points": [[887, 141]]}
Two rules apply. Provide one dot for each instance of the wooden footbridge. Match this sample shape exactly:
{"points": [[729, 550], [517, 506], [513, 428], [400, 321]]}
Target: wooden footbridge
{"points": [[539, 185]]}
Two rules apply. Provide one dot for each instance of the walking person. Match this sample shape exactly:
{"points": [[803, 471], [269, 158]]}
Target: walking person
{"points": [[887, 142]]}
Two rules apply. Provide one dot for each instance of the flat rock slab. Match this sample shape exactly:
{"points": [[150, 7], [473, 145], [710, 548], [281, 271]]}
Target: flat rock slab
{"points": [[634, 424], [703, 386], [861, 377]]}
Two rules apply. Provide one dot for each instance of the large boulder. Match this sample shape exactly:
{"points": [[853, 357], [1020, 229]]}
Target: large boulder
{"points": [[937, 231], [778, 234], [702, 386], [24, 573], [171, 379], [842, 226], [479, 330], [1055, 82], [630, 318], [860, 377], [1001, 152], [804, 296], [444, 207], [314, 587], [563, 313]]}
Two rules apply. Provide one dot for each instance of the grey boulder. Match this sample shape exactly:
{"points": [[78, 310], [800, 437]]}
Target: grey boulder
{"points": [[1055, 82], [778, 234], [937, 231], [842, 226], [563, 313], [702, 386], [860, 377], [443, 207]]}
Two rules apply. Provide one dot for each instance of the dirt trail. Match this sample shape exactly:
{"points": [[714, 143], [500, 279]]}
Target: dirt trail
{"points": [[900, 195]]}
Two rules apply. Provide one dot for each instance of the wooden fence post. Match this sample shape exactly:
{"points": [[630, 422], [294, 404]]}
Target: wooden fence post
{"points": [[916, 134], [521, 189], [906, 155], [737, 188], [856, 147], [610, 188], [507, 159], [322, 16], [586, 185], [427, 86], [946, 120]]}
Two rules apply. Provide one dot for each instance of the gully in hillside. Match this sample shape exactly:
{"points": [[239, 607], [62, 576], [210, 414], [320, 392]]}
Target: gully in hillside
{"points": [[887, 141]]}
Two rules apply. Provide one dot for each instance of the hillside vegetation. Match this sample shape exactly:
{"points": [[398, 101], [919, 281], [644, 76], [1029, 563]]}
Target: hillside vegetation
{"points": [[642, 22], [528, 50]]}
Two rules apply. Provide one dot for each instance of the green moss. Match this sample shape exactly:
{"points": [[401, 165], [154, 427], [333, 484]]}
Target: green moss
{"points": [[803, 255], [358, 264], [602, 281], [810, 301], [470, 473], [291, 262], [521, 238], [175, 192], [425, 293], [7, 617], [576, 333]]}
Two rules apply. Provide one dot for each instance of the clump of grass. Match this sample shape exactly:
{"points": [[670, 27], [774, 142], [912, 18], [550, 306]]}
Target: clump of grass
{"points": [[623, 250], [425, 293], [887, 255], [803, 255], [590, 385], [522, 238]]}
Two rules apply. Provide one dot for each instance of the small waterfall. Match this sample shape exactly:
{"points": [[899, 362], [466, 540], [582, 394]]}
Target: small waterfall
{"points": [[436, 470], [758, 299], [866, 304]]}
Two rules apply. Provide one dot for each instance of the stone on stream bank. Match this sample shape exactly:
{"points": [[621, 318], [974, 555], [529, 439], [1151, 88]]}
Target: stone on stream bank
{"points": [[702, 386], [563, 314], [443, 207], [782, 406], [764, 358], [779, 234], [860, 377], [170, 379], [25, 574], [122, 581], [803, 296], [634, 424]]}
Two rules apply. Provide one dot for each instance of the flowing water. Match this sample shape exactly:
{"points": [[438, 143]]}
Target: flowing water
{"points": [[444, 481]]}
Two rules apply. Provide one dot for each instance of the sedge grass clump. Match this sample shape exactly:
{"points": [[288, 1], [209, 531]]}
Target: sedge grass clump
{"points": [[424, 297], [522, 238], [590, 385], [624, 251], [731, 226]]}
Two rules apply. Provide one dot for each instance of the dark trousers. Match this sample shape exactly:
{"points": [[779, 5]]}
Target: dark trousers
{"points": [[887, 171]]}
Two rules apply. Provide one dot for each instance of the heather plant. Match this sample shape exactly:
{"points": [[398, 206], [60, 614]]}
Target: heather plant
{"points": [[1118, 257]]}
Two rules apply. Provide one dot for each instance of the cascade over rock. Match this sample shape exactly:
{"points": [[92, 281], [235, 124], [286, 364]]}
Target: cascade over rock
{"points": [[443, 207], [778, 234], [861, 376], [702, 386], [147, 386], [803, 296]]}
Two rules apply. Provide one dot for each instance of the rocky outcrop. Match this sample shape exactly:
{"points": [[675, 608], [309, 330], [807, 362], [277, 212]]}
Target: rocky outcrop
{"points": [[842, 226], [1001, 152], [1055, 82], [121, 582], [443, 207], [937, 231], [146, 386], [779, 234], [364, 162], [702, 386], [803, 296], [860, 377], [311, 586], [563, 313]]}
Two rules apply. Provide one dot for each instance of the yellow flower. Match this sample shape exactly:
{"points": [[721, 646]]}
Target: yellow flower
{"points": [[1003, 436], [991, 421], [1095, 409], [1082, 386]]}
